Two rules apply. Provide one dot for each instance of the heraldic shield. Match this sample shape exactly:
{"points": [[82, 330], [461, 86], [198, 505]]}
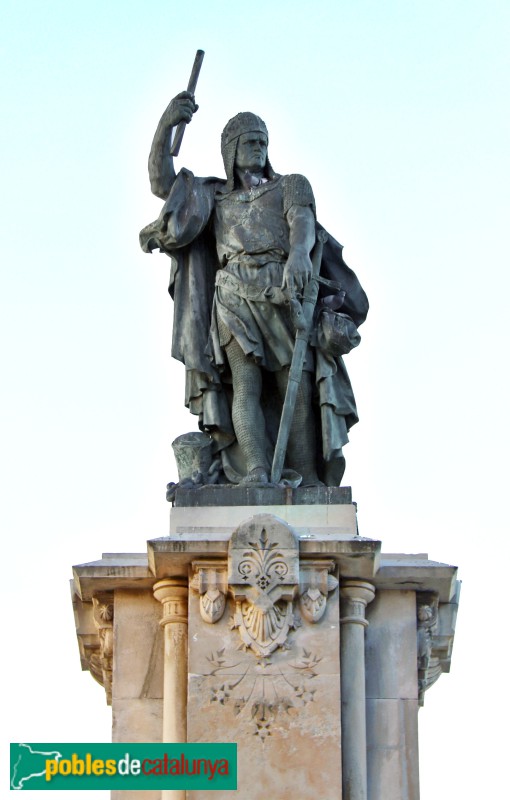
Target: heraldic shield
{"points": [[263, 576]]}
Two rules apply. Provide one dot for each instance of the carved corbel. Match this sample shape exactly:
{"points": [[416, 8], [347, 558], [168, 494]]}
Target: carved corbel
{"points": [[101, 662], [210, 581], [315, 583], [426, 616], [436, 630]]}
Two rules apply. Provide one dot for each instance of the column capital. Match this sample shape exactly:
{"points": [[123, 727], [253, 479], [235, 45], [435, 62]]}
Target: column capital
{"points": [[356, 596], [360, 591], [173, 594]]}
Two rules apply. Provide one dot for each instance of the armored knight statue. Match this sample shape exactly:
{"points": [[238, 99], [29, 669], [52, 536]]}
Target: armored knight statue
{"points": [[241, 258]]}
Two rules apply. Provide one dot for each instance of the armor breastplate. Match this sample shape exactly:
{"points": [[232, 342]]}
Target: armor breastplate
{"points": [[250, 226]]}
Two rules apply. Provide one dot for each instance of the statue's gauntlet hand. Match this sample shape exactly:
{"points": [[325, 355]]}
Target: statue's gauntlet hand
{"points": [[181, 108], [298, 270]]}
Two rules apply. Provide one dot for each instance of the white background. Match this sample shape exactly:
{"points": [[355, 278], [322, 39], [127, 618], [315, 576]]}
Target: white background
{"points": [[397, 112]]}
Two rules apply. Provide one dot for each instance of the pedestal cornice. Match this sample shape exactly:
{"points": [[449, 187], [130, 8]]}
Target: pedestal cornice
{"points": [[325, 537]]}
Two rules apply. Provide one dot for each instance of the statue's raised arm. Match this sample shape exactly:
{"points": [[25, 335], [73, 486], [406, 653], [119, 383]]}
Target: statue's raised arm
{"points": [[161, 164]]}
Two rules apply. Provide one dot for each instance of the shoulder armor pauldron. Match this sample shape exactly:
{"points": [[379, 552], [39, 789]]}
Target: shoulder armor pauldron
{"points": [[297, 191]]}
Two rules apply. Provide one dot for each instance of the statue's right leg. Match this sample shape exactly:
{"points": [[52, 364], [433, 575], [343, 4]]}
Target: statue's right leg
{"points": [[247, 417]]}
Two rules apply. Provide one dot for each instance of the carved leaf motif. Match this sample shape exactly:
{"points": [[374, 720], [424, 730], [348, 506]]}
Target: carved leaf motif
{"points": [[307, 664], [266, 697], [106, 638], [218, 663], [105, 612], [95, 665]]}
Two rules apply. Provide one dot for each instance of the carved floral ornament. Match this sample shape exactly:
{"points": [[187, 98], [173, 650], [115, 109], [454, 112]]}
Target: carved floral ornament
{"points": [[101, 657], [264, 576], [262, 696], [429, 666]]}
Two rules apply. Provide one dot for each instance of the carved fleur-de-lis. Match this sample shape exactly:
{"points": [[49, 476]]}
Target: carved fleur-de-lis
{"points": [[263, 563]]}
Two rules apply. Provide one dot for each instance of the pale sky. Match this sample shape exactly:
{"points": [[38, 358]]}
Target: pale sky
{"points": [[397, 112]]}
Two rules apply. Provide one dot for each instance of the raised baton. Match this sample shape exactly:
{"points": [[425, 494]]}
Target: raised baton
{"points": [[192, 85]]}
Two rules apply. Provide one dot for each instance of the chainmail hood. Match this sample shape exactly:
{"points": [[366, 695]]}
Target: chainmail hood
{"points": [[245, 122]]}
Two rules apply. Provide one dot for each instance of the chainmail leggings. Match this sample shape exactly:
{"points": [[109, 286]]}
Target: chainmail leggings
{"points": [[248, 418]]}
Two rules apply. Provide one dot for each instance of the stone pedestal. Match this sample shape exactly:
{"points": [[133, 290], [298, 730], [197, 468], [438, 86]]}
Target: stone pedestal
{"points": [[283, 631]]}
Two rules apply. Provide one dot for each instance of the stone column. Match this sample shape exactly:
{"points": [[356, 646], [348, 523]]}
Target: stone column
{"points": [[173, 594], [355, 596]]}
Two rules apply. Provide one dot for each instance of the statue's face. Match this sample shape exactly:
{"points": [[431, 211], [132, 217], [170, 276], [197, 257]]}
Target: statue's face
{"points": [[251, 151]]}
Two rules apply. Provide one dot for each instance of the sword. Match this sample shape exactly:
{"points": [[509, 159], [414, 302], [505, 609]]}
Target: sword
{"points": [[303, 327], [192, 85]]}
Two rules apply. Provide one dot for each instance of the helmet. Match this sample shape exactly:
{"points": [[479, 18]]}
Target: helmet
{"points": [[245, 122]]}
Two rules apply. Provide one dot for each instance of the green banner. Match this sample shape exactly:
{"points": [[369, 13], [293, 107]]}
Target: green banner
{"points": [[123, 766]]}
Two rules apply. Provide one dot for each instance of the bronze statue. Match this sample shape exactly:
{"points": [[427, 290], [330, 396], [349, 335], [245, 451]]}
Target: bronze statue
{"points": [[241, 252]]}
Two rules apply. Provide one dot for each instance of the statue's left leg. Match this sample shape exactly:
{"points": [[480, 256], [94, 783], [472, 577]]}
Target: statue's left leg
{"points": [[301, 448]]}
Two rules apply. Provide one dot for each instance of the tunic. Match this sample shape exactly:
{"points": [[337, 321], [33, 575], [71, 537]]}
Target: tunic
{"points": [[252, 242]]}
